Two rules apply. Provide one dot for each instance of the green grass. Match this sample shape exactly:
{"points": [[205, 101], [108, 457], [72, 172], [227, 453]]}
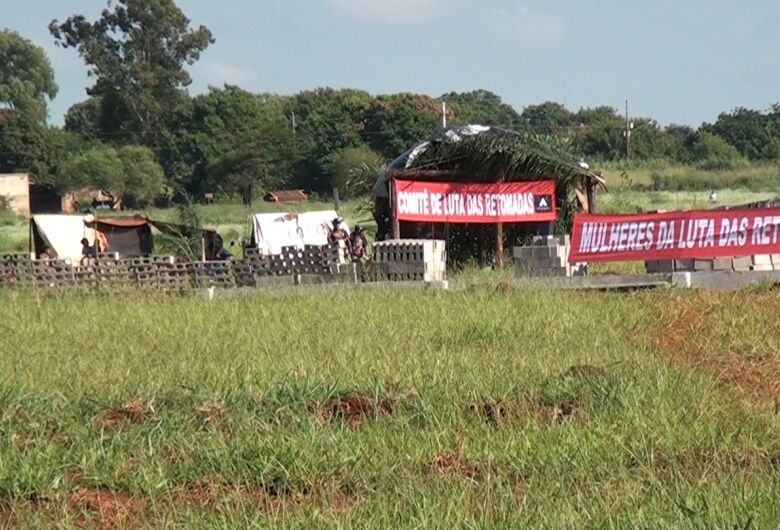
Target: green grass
{"points": [[204, 413], [641, 201], [650, 176]]}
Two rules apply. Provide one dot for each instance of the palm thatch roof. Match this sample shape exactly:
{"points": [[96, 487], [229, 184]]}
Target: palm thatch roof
{"points": [[474, 153]]}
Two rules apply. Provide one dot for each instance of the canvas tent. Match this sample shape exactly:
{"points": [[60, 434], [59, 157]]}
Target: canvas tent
{"points": [[63, 235], [272, 231]]}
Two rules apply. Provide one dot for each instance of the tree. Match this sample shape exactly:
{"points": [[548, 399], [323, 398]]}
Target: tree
{"points": [[397, 122], [143, 178], [547, 118], [481, 107], [748, 130], [84, 118], [26, 77], [136, 52], [710, 151], [353, 170], [598, 132], [221, 122], [130, 172], [28, 146], [678, 140], [26, 86], [326, 120]]}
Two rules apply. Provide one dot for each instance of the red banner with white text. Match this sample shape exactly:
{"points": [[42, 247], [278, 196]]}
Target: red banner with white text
{"points": [[449, 202], [675, 235]]}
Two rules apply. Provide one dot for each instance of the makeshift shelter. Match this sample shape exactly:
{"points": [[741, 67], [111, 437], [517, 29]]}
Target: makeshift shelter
{"points": [[63, 234], [286, 196], [272, 231], [480, 155], [202, 243]]}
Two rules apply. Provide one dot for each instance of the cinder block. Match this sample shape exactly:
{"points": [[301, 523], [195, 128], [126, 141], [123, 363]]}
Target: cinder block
{"points": [[742, 264], [703, 264], [522, 252], [721, 264], [684, 265], [763, 267], [762, 259]]}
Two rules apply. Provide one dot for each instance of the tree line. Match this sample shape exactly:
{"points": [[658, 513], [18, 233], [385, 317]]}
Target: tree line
{"points": [[139, 134]]}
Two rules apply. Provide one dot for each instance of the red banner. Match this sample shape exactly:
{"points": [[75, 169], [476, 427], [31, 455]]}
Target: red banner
{"points": [[448, 202], [675, 235]]}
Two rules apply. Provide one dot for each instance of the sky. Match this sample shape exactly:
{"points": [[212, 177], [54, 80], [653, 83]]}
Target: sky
{"points": [[678, 61]]}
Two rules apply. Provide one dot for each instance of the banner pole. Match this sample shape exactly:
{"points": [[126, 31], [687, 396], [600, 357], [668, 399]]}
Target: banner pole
{"points": [[500, 244], [500, 238], [394, 214]]}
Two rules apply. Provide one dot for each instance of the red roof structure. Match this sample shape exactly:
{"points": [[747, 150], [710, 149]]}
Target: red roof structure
{"points": [[286, 196]]}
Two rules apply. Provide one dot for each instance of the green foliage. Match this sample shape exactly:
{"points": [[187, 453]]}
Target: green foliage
{"points": [[143, 177], [710, 151], [326, 120], [547, 118], [353, 171], [136, 52], [395, 123], [756, 135], [26, 77], [84, 118], [130, 172], [28, 146], [481, 107]]}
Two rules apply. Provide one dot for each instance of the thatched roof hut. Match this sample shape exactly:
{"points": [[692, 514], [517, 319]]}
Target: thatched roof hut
{"points": [[475, 153]]}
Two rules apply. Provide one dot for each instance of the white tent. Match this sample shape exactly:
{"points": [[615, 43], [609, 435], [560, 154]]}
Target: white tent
{"points": [[63, 234], [272, 231]]}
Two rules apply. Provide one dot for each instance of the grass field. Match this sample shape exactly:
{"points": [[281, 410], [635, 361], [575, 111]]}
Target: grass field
{"points": [[486, 406]]}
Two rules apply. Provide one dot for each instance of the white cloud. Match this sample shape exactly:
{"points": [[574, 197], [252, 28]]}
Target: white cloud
{"points": [[388, 11]]}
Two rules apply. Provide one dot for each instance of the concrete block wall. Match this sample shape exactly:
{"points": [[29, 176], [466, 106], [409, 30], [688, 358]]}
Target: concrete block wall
{"points": [[409, 260], [760, 262], [546, 256]]}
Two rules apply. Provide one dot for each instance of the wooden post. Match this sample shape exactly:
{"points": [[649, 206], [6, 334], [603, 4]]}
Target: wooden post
{"points": [[393, 214], [336, 201], [590, 190], [500, 238], [500, 244]]}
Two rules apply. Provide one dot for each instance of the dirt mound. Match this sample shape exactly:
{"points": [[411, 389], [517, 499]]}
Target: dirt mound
{"points": [[353, 409], [131, 412], [453, 463], [102, 508]]}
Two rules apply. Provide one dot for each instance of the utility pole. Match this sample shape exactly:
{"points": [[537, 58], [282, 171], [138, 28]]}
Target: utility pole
{"points": [[627, 134], [293, 123], [443, 114]]}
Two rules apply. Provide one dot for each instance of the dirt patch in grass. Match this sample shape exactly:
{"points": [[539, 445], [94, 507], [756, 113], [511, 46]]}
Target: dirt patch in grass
{"points": [[454, 464], [560, 397], [353, 409], [211, 493], [497, 412], [210, 413], [131, 412], [103, 508], [708, 332]]}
